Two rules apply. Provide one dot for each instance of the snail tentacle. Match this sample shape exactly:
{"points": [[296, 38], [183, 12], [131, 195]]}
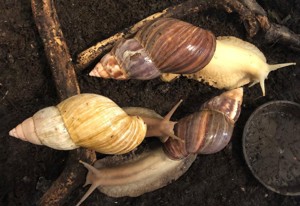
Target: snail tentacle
{"points": [[93, 180], [157, 126]]}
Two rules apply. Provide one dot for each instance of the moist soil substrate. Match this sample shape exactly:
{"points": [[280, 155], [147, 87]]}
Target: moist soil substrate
{"points": [[26, 85]]}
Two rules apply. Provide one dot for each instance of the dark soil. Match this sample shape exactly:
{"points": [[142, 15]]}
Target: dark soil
{"points": [[26, 171]]}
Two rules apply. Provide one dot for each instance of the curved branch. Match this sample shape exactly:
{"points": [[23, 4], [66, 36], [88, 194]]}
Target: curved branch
{"points": [[283, 35], [63, 72], [273, 32]]}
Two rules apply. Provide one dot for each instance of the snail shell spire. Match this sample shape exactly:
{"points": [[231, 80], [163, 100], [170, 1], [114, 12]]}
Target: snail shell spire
{"points": [[164, 46]]}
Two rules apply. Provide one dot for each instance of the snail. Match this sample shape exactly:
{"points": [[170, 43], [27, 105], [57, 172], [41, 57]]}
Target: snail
{"points": [[169, 46], [209, 130], [91, 121], [206, 131]]}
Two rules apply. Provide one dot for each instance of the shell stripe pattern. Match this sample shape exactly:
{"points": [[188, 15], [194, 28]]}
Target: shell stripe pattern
{"points": [[176, 46], [132, 58], [205, 133], [96, 122], [209, 130], [166, 45], [228, 104]]}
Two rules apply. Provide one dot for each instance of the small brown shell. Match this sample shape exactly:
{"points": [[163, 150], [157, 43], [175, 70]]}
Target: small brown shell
{"points": [[209, 130]]}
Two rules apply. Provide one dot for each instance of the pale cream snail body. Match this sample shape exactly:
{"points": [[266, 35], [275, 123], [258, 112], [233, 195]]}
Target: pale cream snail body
{"points": [[170, 47]]}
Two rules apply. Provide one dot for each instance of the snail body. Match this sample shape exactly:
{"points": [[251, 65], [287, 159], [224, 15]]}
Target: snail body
{"points": [[170, 46], [87, 120], [235, 63], [118, 177], [156, 168]]}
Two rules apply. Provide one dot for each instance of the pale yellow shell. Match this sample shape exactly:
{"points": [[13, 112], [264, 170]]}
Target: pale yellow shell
{"points": [[87, 120]]}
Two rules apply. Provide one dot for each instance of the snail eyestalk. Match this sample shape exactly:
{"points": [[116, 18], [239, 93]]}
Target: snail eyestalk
{"points": [[162, 128], [264, 74], [93, 175], [157, 126]]}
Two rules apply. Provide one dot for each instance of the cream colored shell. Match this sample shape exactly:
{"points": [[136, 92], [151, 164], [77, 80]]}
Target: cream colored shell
{"points": [[87, 120], [51, 130], [46, 127]]}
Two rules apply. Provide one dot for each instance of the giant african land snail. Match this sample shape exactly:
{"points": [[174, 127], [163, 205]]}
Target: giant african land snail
{"points": [[172, 46], [92, 121], [206, 131]]}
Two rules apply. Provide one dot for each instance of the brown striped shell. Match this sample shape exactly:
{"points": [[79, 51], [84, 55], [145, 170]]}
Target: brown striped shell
{"points": [[165, 46], [86, 120], [209, 130]]}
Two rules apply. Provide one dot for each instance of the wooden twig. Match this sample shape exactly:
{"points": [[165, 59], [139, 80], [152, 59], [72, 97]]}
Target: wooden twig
{"points": [[247, 16], [279, 33], [55, 48], [63, 72], [273, 32]]}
